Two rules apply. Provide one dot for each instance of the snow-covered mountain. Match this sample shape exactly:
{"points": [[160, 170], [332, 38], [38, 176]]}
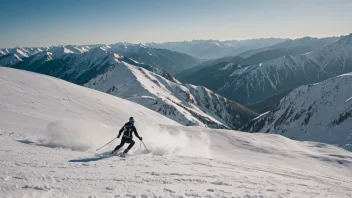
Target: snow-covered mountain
{"points": [[9, 57], [144, 84], [173, 62], [254, 83], [78, 68], [214, 49], [186, 104], [50, 129], [15, 55], [318, 112]]}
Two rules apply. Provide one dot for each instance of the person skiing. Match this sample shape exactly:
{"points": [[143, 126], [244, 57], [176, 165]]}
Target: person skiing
{"points": [[128, 129]]}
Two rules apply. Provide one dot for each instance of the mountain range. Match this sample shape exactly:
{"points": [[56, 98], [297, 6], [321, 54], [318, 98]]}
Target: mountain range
{"points": [[252, 57], [252, 84], [171, 61], [202, 95], [99, 68]]}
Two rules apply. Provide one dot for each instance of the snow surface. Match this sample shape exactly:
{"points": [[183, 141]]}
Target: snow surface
{"points": [[49, 130]]}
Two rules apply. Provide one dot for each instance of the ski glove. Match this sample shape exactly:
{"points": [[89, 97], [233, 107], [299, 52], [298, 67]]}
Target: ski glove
{"points": [[140, 138]]}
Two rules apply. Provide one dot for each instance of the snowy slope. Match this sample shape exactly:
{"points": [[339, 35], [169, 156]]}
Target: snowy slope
{"points": [[47, 99], [50, 129], [319, 112], [186, 104]]}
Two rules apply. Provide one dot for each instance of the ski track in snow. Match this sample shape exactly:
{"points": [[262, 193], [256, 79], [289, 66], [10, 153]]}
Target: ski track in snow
{"points": [[49, 130]]}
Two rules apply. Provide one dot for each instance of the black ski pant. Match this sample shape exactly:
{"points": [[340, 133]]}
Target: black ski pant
{"points": [[123, 141]]}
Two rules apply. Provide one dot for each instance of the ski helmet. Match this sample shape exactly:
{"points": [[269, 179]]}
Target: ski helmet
{"points": [[131, 119]]}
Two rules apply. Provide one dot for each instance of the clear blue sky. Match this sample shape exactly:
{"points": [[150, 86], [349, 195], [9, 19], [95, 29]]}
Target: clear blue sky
{"points": [[54, 22]]}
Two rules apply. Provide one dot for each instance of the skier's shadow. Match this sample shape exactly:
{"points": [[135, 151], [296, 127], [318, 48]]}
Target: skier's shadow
{"points": [[93, 159]]}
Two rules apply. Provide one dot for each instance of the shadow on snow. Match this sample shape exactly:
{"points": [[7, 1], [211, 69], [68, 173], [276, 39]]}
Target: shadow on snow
{"points": [[91, 159]]}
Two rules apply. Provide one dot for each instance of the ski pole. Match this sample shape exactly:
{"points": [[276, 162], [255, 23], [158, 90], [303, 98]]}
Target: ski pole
{"points": [[145, 146], [106, 144]]}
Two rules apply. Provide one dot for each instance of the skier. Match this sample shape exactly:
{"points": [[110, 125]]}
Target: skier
{"points": [[127, 137]]}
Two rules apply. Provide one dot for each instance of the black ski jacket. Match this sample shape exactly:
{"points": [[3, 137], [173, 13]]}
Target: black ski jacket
{"points": [[128, 129]]}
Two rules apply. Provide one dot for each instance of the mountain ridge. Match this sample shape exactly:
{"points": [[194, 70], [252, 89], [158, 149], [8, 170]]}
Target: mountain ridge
{"points": [[266, 79], [187, 104]]}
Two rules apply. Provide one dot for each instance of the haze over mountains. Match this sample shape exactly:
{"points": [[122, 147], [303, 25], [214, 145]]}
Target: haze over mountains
{"points": [[213, 49], [231, 76], [164, 59]]}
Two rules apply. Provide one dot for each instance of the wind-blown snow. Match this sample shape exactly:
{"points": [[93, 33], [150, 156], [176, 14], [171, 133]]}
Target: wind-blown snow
{"points": [[50, 128]]}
